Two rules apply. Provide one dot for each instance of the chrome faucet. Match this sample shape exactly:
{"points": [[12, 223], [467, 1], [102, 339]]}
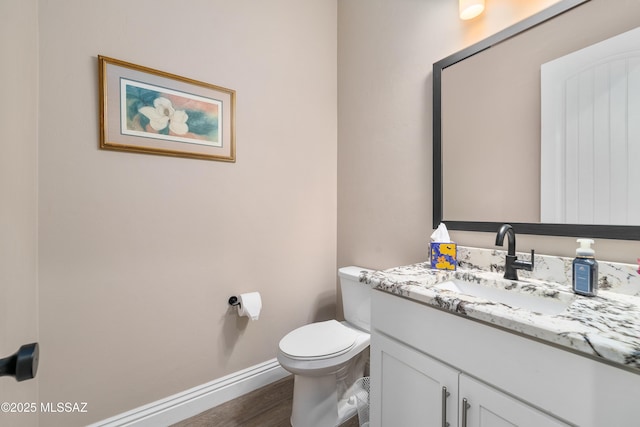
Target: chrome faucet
{"points": [[512, 263]]}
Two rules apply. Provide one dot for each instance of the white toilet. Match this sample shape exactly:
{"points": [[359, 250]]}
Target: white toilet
{"points": [[328, 357]]}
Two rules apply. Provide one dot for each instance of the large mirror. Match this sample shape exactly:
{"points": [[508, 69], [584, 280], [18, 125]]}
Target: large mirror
{"points": [[487, 112]]}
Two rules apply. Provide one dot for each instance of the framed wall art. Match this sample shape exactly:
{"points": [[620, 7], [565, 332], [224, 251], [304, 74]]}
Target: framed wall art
{"points": [[149, 111]]}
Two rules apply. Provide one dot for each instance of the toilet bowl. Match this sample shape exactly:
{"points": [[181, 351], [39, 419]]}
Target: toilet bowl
{"points": [[327, 358]]}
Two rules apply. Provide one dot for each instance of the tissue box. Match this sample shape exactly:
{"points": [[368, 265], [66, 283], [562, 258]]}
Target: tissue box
{"points": [[444, 256]]}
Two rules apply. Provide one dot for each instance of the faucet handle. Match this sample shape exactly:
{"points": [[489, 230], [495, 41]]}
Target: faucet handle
{"points": [[529, 265], [518, 264]]}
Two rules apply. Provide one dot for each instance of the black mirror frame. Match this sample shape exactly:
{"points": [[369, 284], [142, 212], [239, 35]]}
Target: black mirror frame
{"points": [[620, 232]]}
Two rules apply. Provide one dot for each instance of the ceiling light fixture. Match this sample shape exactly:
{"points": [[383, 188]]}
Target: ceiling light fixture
{"points": [[470, 8]]}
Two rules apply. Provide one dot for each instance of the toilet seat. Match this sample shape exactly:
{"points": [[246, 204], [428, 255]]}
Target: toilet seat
{"points": [[320, 340]]}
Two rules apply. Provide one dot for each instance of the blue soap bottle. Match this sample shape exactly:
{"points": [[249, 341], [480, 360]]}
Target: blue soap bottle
{"points": [[585, 270]]}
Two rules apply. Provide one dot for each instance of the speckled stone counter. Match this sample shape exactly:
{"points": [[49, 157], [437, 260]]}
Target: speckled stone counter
{"points": [[606, 327]]}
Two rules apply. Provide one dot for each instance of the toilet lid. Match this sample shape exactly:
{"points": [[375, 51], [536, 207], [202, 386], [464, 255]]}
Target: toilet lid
{"points": [[318, 340]]}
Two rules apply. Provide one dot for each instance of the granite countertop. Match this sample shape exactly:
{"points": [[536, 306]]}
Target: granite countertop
{"points": [[605, 327]]}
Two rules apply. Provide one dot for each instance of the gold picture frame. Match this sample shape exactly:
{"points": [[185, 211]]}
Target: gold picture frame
{"points": [[149, 111]]}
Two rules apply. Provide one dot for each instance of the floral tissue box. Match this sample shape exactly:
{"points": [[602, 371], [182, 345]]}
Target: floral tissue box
{"points": [[444, 256]]}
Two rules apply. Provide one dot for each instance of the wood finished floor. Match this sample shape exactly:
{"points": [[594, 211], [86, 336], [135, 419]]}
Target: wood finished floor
{"points": [[269, 406]]}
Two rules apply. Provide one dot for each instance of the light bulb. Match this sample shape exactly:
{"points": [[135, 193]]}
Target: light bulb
{"points": [[470, 8]]}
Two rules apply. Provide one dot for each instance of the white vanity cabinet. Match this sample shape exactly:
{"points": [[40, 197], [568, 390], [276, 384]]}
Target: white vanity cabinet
{"points": [[413, 389], [417, 351], [484, 406]]}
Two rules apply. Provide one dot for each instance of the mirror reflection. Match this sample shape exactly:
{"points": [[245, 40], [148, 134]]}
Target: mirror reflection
{"points": [[590, 132], [487, 127]]}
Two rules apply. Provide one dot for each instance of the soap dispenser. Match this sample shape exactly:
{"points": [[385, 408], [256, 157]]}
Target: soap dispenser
{"points": [[585, 270]]}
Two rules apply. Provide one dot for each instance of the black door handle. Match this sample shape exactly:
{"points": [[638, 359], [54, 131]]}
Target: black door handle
{"points": [[23, 364]]}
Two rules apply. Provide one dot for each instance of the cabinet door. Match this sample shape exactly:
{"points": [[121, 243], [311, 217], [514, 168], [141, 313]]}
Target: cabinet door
{"points": [[488, 407], [408, 388]]}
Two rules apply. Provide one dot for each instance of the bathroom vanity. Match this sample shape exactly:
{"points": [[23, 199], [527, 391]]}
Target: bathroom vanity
{"points": [[470, 348]]}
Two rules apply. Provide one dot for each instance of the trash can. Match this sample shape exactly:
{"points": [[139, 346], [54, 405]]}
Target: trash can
{"points": [[362, 400]]}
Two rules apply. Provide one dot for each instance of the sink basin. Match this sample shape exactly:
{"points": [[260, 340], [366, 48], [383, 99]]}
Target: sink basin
{"points": [[515, 298]]}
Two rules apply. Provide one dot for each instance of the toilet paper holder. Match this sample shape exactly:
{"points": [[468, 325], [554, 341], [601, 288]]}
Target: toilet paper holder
{"points": [[249, 304]]}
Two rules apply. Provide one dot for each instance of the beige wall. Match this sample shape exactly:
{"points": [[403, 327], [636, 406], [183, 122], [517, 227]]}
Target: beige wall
{"points": [[18, 195], [386, 49], [138, 253]]}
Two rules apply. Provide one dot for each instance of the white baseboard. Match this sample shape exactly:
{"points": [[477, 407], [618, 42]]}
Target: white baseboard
{"points": [[198, 399]]}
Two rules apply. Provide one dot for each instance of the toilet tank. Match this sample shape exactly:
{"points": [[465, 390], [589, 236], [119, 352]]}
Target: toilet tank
{"points": [[356, 297]]}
